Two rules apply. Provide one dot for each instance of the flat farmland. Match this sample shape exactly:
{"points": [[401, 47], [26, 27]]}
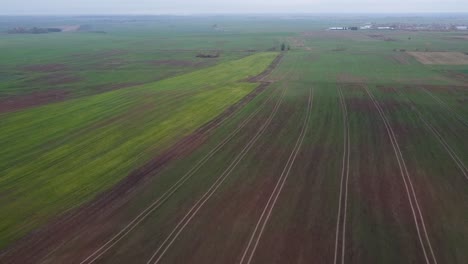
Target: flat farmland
{"points": [[343, 149], [449, 58]]}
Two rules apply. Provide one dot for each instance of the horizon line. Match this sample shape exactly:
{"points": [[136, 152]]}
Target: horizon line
{"points": [[237, 13]]}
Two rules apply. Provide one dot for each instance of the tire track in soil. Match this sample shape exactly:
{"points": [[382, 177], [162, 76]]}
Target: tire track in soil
{"points": [[265, 216], [158, 202], [437, 135], [166, 244], [341, 216], [446, 106], [35, 246], [412, 199]]}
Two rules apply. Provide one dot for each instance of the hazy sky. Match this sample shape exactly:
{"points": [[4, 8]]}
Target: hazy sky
{"points": [[227, 6]]}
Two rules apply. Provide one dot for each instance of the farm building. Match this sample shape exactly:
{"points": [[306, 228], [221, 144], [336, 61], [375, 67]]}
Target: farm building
{"points": [[461, 27]]}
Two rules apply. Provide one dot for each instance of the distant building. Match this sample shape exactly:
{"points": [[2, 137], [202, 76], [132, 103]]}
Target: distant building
{"points": [[366, 27], [384, 28], [338, 28], [461, 27]]}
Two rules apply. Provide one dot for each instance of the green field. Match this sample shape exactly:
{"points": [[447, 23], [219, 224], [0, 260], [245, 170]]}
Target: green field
{"points": [[355, 150]]}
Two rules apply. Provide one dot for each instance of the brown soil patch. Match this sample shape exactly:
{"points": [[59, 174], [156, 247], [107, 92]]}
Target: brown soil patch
{"points": [[349, 78], [460, 37], [111, 64], [463, 77], [114, 86], [57, 79], [37, 244], [15, 103], [177, 63], [448, 58], [401, 58], [444, 88], [386, 89], [381, 37], [361, 104], [99, 55], [54, 67]]}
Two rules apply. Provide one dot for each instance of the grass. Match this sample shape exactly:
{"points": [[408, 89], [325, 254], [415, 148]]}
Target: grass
{"points": [[83, 146]]}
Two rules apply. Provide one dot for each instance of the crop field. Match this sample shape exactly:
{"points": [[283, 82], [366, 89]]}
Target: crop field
{"points": [[450, 58], [130, 147]]}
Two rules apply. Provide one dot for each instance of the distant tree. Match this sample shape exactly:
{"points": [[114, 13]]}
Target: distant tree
{"points": [[289, 47], [283, 47]]}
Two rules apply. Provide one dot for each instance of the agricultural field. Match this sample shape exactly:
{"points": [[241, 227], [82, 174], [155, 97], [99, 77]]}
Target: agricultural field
{"points": [[445, 57], [198, 140]]}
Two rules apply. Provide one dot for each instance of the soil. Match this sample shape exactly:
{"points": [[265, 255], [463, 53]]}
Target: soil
{"points": [[114, 86], [177, 63], [15, 103], [105, 54], [463, 77], [447, 58], [401, 58], [37, 244], [57, 78], [381, 37], [110, 64], [376, 193], [46, 67], [349, 78]]}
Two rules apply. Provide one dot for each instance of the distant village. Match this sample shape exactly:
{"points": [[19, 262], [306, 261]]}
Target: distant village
{"points": [[38, 30], [404, 26]]}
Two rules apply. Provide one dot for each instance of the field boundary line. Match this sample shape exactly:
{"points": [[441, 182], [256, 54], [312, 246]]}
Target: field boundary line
{"points": [[266, 214], [156, 204], [439, 137], [344, 174], [446, 106], [166, 244], [406, 180]]}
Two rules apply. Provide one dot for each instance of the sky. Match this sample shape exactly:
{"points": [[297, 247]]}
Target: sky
{"points": [[60, 7]]}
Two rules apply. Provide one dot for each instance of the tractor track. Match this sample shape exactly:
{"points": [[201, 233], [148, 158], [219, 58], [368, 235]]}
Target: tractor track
{"points": [[37, 245], [343, 199], [446, 106], [437, 135], [158, 202], [412, 199], [166, 244], [266, 214]]}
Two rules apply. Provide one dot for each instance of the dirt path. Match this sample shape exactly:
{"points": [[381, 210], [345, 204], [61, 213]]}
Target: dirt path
{"points": [[265, 216], [413, 201], [261, 77], [343, 199], [437, 135], [166, 244], [38, 244]]}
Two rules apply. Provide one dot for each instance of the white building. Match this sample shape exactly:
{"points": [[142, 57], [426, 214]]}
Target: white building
{"points": [[338, 28], [461, 27]]}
